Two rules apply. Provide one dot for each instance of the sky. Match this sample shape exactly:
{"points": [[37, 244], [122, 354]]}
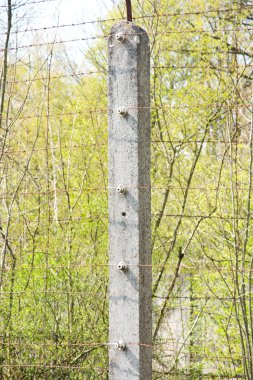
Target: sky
{"points": [[75, 10], [33, 14], [70, 11]]}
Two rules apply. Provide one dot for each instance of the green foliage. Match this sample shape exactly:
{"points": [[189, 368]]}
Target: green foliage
{"points": [[54, 273]]}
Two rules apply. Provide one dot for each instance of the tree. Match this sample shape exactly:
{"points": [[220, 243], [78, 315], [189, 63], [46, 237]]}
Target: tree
{"points": [[54, 199]]}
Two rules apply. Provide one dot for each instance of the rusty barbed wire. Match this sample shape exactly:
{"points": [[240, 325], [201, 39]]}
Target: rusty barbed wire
{"points": [[36, 343], [204, 67], [156, 107], [154, 345], [52, 366], [48, 291], [60, 76], [108, 35], [155, 15], [62, 191], [11, 149], [207, 298], [39, 344], [42, 291], [205, 216], [17, 5], [204, 266], [41, 192], [105, 216], [173, 67]]}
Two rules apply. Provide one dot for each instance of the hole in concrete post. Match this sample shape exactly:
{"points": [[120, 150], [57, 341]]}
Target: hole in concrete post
{"points": [[123, 214]]}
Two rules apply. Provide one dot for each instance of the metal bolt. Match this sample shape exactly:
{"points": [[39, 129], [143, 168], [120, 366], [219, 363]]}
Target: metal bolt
{"points": [[120, 345], [122, 266], [122, 111], [121, 189], [120, 36]]}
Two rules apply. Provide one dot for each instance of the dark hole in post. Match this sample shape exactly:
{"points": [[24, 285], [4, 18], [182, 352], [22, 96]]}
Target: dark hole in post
{"points": [[123, 214]]}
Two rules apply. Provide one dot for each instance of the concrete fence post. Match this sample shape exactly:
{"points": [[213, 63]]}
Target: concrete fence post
{"points": [[130, 330]]}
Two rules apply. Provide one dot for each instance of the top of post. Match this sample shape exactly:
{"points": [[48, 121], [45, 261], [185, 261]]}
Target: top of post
{"points": [[126, 31]]}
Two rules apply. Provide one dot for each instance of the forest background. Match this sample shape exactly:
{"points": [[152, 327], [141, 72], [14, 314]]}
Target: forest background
{"points": [[54, 192]]}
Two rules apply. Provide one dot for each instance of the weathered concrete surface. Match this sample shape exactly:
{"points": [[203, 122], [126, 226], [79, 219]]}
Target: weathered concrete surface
{"points": [[129, 213]]}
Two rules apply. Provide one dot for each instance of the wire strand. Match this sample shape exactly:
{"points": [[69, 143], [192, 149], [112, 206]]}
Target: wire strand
{"points": [[52, 43]]}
